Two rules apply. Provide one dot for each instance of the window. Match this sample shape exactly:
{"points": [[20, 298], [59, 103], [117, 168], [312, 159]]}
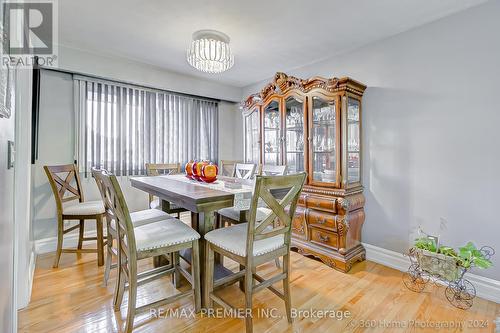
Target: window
{"points": [[122, 127]]}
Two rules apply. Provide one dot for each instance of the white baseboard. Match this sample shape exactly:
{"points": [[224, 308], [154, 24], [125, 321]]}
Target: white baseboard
{"points": [[485, 287]]}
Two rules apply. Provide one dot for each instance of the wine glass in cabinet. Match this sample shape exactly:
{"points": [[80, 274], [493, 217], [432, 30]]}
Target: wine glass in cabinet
{"points": [[294, 133], [251, 132], [272, 134], [352, 124], [324, 129]]}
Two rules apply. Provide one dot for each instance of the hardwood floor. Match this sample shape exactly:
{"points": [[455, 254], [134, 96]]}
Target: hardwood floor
{"points": [[72, 298]]}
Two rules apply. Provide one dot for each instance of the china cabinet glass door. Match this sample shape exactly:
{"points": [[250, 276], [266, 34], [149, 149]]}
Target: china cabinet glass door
{"points": [[294, 129], [252, 137], [272, 134], [323, 140], [353, 141]]}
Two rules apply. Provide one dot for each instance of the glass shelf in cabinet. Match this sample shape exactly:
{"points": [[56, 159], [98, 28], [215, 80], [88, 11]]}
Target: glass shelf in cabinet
{"points": [[295, 128], [324, 151], [324, 122]]}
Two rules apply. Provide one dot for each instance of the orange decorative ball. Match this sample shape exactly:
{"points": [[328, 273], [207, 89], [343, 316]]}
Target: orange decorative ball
{"points": [[189, 169], [197, 166], [209, 173]]}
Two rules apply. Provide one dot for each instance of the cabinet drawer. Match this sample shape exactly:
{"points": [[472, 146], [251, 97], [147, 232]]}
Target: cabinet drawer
{"points": [[321, 219], [324, 238], [321, 203]]}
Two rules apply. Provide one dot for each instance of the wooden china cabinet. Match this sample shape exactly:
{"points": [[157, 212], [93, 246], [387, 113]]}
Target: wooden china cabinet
{"points": [[314, 125]]}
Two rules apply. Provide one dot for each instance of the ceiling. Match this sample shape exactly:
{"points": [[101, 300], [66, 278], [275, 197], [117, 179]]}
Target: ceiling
{"points": [[266, 35]]}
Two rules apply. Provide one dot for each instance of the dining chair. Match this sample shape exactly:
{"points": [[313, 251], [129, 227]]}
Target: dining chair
{"points": [[65, 183], [226, 167], [138, 218], [244, 170], [252, 244], [272, 170], [233, 216], [153, 169], [153, 239]]}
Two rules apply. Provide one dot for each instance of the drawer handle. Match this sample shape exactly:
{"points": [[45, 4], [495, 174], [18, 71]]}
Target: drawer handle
{"points": [[321, 220], [324, 239]]}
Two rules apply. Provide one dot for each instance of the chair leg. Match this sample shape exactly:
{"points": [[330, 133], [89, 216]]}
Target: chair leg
{"points": [[219, 258], [195, 275], [100, 241], [120, 286], [109, 257], [60, 235], [248, 300], [132, 296], [80, 234], [286, 287], [176, 277], [209, 276], [242, 282]]}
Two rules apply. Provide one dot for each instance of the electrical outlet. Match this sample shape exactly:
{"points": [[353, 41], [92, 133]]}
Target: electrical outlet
{"points": [[11, 151]]}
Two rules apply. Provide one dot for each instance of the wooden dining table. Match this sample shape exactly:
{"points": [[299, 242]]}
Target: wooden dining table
{"points": [[202, 200]]}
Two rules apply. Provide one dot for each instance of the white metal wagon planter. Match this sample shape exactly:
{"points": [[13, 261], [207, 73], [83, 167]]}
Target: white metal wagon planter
{"points": [[442, 269]]}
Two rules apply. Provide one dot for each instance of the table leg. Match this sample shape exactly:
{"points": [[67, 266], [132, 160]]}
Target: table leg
{"points": [[206, 223]]}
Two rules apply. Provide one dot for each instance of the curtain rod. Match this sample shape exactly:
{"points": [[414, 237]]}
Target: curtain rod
{"points": [[129, 83]]}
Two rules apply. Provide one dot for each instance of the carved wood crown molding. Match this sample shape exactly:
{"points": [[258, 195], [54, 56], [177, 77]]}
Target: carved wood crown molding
{"points": [[251, 100], [283, 83]]}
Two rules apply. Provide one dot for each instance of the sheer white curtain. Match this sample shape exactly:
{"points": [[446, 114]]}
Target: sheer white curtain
{"points": [[122, 127]]}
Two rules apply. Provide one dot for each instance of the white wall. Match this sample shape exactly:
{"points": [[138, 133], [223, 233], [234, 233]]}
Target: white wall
{"points": [[143, 74], [56, 146], [230, 132], [431, 137]]}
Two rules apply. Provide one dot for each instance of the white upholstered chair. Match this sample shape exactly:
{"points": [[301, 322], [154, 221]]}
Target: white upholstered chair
{"points": [[254, 243], [272, 170], [226, 167], [231, 215], [244, 170], [138, 218], [67, 189], [163, 237]]}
